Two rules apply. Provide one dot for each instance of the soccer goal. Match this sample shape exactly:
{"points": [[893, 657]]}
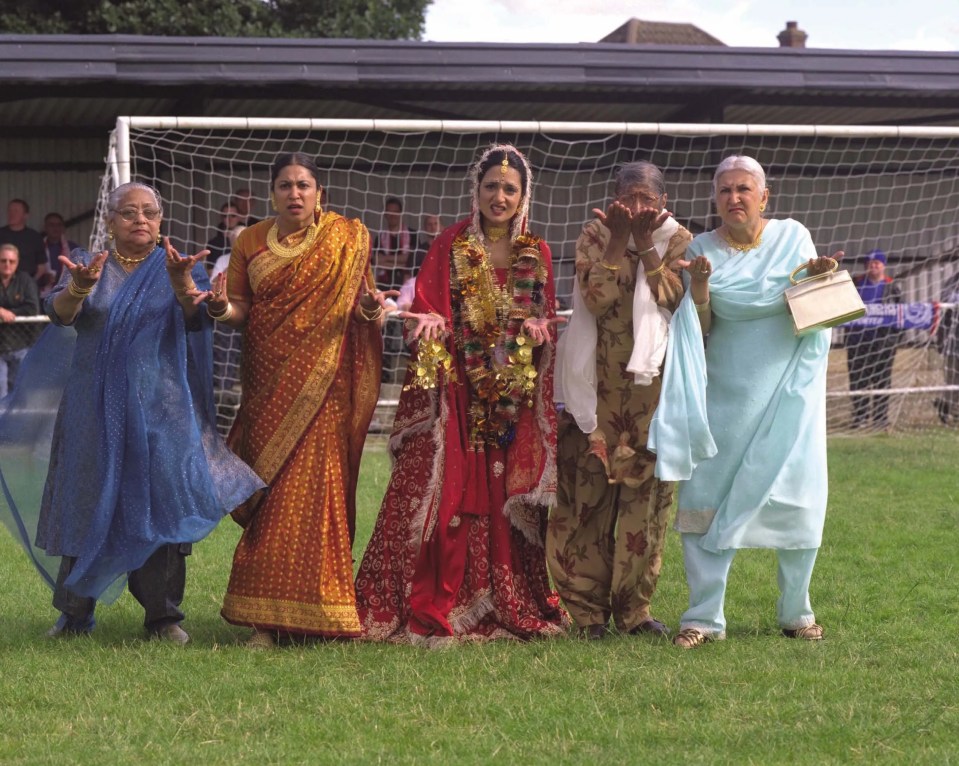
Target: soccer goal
{"points": [[857, 189]]}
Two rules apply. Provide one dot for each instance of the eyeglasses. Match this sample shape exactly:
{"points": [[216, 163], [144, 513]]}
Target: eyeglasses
{"points": [[8, 260], [131, 214]]}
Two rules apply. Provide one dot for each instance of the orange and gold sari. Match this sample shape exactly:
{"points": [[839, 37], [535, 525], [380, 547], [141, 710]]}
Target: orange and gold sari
{"points": [[310, 377]]}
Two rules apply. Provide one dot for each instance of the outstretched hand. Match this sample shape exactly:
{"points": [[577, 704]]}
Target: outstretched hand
{"points": [[179, 268], [616, 218], [700, 269], [428, 326], [538, 329], [85, 277]]}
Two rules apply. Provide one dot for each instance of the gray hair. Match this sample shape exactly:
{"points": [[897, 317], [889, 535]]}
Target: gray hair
{"points": [[123, 189], [10, 248], [640, 173], [744, 163]]}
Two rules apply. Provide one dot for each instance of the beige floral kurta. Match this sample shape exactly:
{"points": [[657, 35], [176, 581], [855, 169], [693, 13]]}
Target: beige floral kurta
{"points": [[605, 536]]}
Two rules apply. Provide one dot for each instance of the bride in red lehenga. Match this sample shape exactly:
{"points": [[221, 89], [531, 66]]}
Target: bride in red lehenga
{"points": [[457, 551]]}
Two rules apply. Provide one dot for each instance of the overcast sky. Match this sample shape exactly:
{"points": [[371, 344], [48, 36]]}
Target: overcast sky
{"points": [[928, 25]]}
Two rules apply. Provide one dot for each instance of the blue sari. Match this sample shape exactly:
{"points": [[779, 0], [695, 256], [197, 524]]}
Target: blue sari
{"points": [[131, 458], [743, 424]]}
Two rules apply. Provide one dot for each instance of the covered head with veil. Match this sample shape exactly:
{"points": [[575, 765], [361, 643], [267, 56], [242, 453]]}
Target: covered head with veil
{"points": [[458, 546]]}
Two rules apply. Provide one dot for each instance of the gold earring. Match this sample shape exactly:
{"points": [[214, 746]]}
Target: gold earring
{"points": [[319, 208], [159, 238], [762, 208], [273, 202], [110, 234]]}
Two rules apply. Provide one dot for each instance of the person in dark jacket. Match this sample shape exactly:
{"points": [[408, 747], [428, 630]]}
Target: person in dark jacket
{"points": [[870, 351]]}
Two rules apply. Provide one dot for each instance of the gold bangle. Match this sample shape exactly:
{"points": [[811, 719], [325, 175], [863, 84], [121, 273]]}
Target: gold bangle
{"points": [[371, 317], [79, 292], [608, 266], [658, 270], [223, 315], [702, 308], [183, 293]]}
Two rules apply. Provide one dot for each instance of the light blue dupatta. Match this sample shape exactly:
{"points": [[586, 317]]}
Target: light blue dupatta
{"points": [[742, 424]]}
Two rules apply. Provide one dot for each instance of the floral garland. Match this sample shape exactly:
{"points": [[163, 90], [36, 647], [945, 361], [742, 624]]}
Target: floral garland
{"points": [[504, 381]]}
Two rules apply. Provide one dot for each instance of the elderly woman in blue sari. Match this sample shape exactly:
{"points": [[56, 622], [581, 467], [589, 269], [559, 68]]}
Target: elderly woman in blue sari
{"points": [[742, 424], [136, 470]]}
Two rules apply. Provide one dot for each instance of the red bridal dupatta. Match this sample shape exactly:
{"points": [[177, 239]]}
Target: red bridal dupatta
{"points": [[457, 550], [310, 383]]}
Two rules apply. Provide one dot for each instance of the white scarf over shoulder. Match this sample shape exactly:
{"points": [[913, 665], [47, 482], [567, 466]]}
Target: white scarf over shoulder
{"points": [[575, 382]]}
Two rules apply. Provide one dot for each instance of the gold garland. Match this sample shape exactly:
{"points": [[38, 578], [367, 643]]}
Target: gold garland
{"points": [[431, 357], [291, 251]]}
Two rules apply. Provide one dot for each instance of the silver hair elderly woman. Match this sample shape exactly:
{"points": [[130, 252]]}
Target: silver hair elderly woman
{"points": [[136, 471], [742, 424]]}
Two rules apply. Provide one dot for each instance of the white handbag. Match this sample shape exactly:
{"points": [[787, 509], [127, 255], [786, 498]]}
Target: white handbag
{"points": [[822, 301]]}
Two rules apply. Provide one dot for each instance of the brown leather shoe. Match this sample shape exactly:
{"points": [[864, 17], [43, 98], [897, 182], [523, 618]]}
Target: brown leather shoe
{"points": [[651, 626]]}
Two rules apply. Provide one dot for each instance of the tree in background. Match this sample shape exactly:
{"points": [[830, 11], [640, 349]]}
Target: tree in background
{"points": [[360, 19]]}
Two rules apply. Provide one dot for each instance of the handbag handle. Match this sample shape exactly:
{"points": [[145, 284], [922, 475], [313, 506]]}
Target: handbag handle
{"points": [[794, 281]]}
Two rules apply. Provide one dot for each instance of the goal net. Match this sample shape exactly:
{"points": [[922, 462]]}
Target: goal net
{"points": [[859, 190]]}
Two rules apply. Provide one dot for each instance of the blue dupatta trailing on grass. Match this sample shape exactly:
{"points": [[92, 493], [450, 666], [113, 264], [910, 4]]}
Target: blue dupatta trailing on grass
{"points": [[134, 459]]}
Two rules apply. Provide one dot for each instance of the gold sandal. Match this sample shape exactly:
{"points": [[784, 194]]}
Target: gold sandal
{"points": [[690, 638], [812, 632]]}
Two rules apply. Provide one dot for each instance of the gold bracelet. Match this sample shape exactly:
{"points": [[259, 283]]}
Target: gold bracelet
{"points": [[658, 270], [79, 292], [371, 317], [702, 308], [608, 266], [223, 316], [183, 293]]}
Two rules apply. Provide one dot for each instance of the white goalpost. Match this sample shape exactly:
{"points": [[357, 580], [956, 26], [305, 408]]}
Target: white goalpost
{"points": [[857, 189]]}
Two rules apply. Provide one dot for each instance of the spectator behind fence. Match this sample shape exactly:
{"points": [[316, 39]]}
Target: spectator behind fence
{"points": [[136, 471], [56, 244], [219, 244], [947, 338], [606, 533], [870, 351], [392, 259], [242, 200], [393, 247], [457, 551], [18, 298], [743, 423], [432, 226], [29, 242], [300, 285]]}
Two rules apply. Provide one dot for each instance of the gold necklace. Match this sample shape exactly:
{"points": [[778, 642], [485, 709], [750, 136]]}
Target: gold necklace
{"points": [[290, 251], [744, 248], [496, 233], [128, 261]]}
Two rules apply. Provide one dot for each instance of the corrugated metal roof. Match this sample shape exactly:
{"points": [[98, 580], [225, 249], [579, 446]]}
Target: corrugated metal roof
{"points": [[49, 82]]}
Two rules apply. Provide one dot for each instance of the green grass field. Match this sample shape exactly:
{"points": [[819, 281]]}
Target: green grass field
{"points": [[883, 687]]}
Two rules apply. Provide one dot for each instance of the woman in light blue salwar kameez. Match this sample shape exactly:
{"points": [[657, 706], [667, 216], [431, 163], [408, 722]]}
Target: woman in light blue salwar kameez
{"points": [[742, 424]]}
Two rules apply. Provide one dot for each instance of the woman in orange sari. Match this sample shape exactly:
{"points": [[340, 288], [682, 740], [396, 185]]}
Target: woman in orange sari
{"points": [[300, 286], [457, 551]]}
